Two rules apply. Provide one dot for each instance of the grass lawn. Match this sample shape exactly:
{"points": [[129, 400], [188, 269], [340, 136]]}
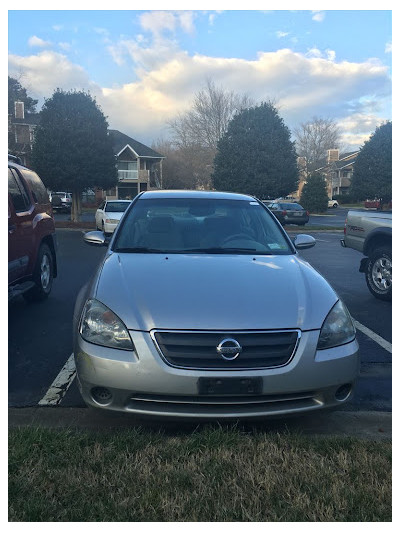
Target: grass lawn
{"points": [[209, 474]]}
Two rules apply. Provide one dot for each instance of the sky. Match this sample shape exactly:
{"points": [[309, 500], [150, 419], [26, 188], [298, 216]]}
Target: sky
{"points": [[145, 67]]}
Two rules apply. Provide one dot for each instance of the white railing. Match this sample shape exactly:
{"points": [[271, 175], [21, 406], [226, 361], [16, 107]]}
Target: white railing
{"points": [[127, 174]]}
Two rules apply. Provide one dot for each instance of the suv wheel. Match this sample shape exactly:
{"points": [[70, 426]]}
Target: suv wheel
{"points": [[42, 276], [379, 273]]}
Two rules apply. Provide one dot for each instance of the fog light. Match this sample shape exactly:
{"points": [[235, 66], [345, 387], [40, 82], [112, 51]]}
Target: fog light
{"points": [[101, 395], [343, 392]]}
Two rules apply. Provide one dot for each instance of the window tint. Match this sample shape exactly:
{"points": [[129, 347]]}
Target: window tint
{"points": [[39, 192], [17, 192]]}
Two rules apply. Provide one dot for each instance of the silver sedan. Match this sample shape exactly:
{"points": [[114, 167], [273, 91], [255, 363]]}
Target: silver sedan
{"points": [[202, 308]]}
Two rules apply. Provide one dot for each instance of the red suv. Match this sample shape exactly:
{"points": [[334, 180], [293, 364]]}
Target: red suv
{"points": [[32, 262]]}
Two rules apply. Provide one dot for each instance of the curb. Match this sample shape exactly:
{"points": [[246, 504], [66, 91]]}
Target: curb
{"points": [[369, 425]]}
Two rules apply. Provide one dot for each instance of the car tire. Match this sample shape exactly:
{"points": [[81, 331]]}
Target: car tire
{"points": [[335, 206], [378, 273], [42, 276]]}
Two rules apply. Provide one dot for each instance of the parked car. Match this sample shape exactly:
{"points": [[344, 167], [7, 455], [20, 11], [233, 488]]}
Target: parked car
{"points": [[210, 315], [61, 201], [333, 203], [109, 214], [370, 232], [289, 213], [32, 262]]}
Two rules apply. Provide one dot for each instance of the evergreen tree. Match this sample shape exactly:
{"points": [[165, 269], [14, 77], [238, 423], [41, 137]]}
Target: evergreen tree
{"points": [[372, 177], [314, 196], [17, 93], [255, 156], [72, 150]]}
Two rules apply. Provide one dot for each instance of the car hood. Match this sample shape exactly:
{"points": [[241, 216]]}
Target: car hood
{"points": [[220, 292]]}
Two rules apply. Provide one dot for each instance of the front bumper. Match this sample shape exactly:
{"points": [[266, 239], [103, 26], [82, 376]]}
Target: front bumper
{"points": [[143, 383]]}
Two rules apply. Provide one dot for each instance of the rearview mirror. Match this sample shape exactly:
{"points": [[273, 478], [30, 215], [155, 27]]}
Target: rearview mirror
{"points": [[95, 238], [303, 241]]}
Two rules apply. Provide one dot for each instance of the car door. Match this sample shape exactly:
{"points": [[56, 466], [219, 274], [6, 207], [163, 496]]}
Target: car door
{"points": [[20, 228]]}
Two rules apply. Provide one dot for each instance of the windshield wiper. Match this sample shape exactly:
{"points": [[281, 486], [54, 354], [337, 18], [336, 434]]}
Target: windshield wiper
{"points": [[139, 250]]}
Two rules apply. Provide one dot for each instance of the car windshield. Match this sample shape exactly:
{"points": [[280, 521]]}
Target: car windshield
{"points": [[194, 225], [116, 207], [292, 207]]}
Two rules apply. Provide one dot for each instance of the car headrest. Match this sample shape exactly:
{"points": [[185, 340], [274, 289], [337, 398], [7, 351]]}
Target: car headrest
{"points": [[161, 224]]}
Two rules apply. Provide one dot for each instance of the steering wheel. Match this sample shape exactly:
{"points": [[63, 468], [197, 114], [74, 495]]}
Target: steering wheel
{"points": [[237, 236]]}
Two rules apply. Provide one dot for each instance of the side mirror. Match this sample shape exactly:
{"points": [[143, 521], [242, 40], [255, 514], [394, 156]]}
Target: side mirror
{"points": [[95, 238], [302, 241]]}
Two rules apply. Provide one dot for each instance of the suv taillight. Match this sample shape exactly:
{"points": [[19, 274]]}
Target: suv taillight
{"points": [[308, 213], [284, 213]]}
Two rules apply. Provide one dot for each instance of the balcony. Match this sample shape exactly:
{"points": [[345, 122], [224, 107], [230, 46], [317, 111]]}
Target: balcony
{"points": [[131, 175]]}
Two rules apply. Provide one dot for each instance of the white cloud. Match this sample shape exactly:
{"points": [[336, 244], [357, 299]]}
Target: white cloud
{"points": [[281, 34], [105, 34], [65, 46], [57, 27], [37, 42], [331, 55], [318, 16], [314, 52], [186, 21], [166, 79], [388, 48], [47, 71], [157, 22]]}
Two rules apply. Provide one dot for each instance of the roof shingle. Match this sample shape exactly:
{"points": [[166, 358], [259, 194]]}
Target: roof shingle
{"points": [[120, 140]]}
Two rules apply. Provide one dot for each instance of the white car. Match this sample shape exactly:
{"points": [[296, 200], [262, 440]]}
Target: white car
{"points": [[333, 203], [109, 213]]}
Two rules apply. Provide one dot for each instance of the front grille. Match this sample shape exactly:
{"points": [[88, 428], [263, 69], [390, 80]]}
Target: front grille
{"points": [[198, 350]]}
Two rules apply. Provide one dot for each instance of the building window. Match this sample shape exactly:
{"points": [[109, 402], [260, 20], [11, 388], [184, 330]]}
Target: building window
{"points": [[127, 170]]}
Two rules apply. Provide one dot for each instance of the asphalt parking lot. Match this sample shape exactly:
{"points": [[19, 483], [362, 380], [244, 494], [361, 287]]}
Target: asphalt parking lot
{"points": [[41, 370]]}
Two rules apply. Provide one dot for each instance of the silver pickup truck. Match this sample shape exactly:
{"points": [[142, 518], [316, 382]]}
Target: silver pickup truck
{"points": [[370, 232]]}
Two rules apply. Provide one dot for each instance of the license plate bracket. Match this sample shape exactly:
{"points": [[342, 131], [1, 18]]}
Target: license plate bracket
{"points": [[230, 386]]}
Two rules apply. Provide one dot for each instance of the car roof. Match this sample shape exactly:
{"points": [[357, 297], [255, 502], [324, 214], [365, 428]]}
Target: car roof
{"points": [[212, 195], [16, 165], [118, 201]]}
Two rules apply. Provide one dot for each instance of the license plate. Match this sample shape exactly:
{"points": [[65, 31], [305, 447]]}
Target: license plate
{"points": [[297, 214], [231, 386]]}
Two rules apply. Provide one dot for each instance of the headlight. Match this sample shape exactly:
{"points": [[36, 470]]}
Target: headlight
{"points": [[112, 220], [337, 329], [99, 325]]}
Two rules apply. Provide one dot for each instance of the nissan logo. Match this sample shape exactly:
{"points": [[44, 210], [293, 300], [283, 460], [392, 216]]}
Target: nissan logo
{"points": [[229, 349]]}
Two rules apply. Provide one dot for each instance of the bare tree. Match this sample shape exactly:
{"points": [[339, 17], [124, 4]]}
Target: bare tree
{"points": [[185, 167], [314, 139], [212, 110], [196, 133]]}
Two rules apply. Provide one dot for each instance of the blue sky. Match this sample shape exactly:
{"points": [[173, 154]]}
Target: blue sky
{"points": [[144, 67]]}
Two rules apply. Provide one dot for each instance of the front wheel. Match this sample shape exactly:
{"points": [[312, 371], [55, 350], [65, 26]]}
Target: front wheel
{"points": [[378, 273], [42, 276]]}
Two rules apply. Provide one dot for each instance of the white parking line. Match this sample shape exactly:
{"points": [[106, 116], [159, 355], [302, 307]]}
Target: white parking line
{"points": [[374, 336], [61, 384]]}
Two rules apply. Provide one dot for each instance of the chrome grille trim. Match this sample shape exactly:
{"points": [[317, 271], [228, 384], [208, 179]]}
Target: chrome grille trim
{"points": [[224, 366]]}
